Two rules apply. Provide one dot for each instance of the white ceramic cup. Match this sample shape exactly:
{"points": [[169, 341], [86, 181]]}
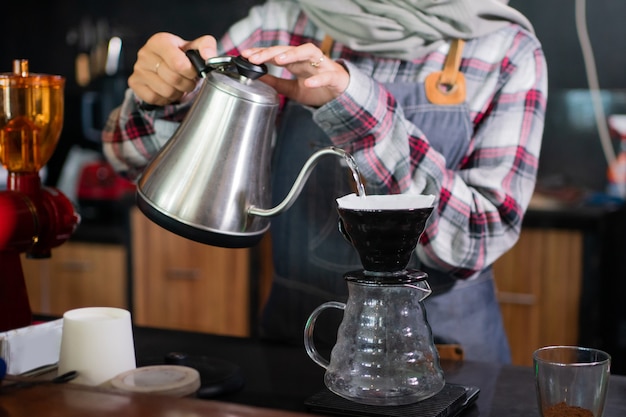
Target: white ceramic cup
{"points": [[97, 342]]}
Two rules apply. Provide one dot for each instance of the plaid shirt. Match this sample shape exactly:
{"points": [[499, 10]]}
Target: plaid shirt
{"points": [[480, 202]]}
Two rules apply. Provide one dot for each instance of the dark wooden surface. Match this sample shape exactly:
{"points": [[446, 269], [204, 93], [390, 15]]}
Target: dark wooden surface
{"points": [[70, 400], [276, 377]]}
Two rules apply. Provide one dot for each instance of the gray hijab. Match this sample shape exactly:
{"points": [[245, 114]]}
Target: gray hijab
{"points": [[408, 29]]}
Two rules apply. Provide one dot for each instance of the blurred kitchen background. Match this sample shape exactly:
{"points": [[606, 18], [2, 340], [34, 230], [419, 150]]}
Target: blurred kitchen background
{"points": [[72, 38], [94, 44]]}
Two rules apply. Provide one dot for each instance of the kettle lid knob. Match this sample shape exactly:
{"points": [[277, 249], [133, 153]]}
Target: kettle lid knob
{"points": [[248, 69], [243, 67]]}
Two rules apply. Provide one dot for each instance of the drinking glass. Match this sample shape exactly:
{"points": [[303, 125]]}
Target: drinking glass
{"points": [[571, 380]]}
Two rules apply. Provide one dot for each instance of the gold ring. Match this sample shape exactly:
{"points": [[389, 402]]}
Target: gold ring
{"points": [[156, 67], [316, 64]]}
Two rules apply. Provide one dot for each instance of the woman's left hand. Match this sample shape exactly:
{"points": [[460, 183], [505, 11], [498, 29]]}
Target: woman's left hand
{"points": [[318, 78]]}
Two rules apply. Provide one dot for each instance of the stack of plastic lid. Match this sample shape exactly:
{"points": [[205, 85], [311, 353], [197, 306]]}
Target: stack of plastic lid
{"points": [[171, 380]]}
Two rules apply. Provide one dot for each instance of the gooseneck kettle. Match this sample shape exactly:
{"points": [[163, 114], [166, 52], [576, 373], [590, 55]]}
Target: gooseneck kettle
{"points": [[211, 181]]}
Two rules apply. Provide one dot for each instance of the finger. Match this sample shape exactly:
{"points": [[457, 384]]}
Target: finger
{"points": [[153, 92], [162, 49], [172, 78], [317, 62], [167, 50], [163, 73], [156, 85], [147, 95], [307, 53], [206, 45], [246, 53], [263, 55], [334, 81]]}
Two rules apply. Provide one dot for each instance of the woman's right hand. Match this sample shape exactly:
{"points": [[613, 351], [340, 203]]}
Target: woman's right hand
{"points": [[163, 74]]}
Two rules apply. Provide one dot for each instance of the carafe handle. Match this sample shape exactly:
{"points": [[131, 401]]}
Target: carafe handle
{"points": [[309, 344]]}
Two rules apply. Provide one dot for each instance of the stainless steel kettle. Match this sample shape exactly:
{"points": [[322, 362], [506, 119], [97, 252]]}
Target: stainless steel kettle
{"points": [[211, 181]]}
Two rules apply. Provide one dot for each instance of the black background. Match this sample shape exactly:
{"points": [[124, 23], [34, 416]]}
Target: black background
{"points": [[41, 31]]}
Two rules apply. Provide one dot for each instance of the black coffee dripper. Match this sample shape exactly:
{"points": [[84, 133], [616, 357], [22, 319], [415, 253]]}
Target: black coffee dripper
{"points": [[384, 239]]}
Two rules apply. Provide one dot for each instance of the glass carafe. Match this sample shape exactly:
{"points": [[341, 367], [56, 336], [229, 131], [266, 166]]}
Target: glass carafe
{"points": [[385, 353]]}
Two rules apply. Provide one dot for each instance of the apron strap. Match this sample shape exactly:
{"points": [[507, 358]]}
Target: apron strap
{"points": [[447, 87], [327, 45]]}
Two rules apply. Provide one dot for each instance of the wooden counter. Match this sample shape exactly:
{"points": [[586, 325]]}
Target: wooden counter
{"points": [[277, 377], [69, 400]]}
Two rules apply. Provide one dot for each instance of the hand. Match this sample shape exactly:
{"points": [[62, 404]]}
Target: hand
{"points": [[163, 74], [318, 78]]}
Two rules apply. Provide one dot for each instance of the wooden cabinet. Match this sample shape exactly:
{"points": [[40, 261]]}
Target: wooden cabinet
{"points": [[182, 284], [175, 282], [78, 274], [539, 287]]}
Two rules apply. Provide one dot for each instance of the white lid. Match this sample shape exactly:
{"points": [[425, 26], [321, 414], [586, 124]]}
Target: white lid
{"points": [[172, 380], [386, 202]]}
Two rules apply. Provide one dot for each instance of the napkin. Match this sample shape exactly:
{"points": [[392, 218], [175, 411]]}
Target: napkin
{"points": [[31, 347]]}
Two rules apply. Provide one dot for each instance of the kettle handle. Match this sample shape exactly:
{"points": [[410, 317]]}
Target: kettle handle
{"points": [[309, 344], [198, 63]]}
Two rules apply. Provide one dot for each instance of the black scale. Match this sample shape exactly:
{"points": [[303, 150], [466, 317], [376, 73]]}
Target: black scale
{"points": [[449, 402]]}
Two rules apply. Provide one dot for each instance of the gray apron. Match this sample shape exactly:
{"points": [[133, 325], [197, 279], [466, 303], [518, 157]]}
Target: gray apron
{"points": [[310, 255]]}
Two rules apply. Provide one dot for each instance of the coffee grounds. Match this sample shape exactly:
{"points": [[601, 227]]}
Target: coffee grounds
{"points": [[563, 410]]}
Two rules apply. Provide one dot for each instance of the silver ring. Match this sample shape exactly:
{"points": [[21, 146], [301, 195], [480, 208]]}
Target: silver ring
{"points": [[156, 67], [316, 64]]}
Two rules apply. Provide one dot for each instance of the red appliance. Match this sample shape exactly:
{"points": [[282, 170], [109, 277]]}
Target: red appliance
{"points": [[33, 218]]}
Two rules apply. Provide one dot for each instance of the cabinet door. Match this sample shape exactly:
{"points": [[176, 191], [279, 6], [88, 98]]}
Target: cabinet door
{"points": [[539, 285], [77, 275], [182, 284]]}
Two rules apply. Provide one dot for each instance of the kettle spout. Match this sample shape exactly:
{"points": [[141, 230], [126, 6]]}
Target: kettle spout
{"points": [[306, 170]]}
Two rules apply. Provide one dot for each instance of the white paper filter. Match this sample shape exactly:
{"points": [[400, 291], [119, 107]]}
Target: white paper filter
{"points": [[386, 202]]}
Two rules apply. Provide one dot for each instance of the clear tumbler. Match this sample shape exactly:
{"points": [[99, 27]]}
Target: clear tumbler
{"points": [[571, 380]]}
